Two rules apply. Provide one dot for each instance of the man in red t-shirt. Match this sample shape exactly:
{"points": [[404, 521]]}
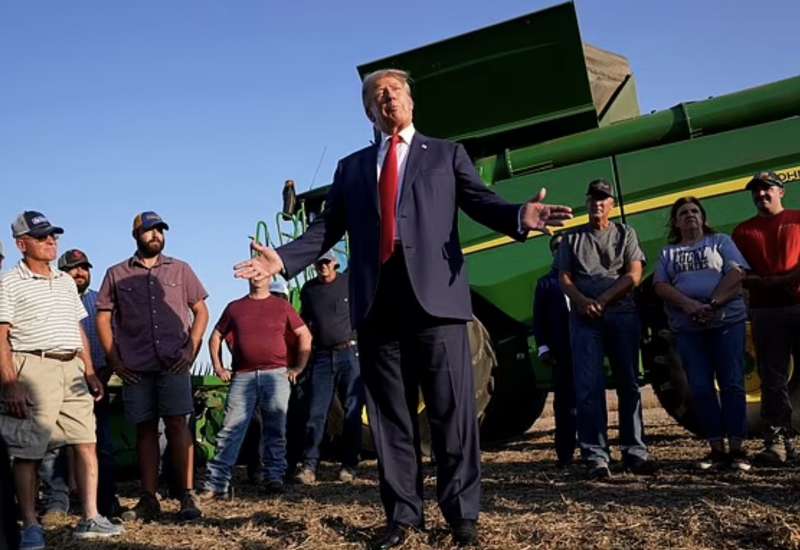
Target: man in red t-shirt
{"points": [[260, 326], [770, 242]]}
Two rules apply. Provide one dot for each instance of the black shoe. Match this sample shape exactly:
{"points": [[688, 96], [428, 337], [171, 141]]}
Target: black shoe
{"points": [[189, 510], [598, 471], [465, 532], [394, 536], [639, 466]]}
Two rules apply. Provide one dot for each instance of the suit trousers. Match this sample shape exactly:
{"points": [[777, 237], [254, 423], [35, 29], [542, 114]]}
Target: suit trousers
{"points": [[404, 349]]}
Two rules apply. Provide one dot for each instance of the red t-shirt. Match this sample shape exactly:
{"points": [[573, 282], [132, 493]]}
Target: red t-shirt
{"points": [[771, 245], [259, 332]]}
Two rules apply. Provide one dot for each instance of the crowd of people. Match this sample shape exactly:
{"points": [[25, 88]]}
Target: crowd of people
{"points": [[392, 324], [584, 309]]}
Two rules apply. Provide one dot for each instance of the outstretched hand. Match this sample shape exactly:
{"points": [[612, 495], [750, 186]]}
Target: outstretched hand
{"points": [[265, 263], [537, 216]]}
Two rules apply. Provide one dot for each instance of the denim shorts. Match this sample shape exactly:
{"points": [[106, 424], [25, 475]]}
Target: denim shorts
{"points": [[157, 395]]}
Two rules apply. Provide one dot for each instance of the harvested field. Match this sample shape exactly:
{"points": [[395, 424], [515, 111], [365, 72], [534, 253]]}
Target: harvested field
{"points": [[527, 503]]}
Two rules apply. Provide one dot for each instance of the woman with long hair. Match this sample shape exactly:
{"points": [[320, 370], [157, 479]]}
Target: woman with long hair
{"points": [[699, 276]]}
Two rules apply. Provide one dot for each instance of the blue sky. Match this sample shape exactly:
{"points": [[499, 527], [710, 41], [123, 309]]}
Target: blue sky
{"points": [[201, 109]]}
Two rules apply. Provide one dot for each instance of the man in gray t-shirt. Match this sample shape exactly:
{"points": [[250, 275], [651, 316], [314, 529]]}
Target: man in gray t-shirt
{"points": [[599, 266]]}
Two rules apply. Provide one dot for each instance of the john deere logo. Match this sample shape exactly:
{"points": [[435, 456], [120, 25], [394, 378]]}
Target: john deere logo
{"points": [[786, 176]]}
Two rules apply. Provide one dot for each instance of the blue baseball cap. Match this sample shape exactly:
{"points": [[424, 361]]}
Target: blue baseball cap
{"points": [[146, 221], [34, 224]]}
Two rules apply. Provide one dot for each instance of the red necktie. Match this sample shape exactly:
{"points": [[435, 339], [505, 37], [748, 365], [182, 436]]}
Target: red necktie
{"points": [[387, 190]]}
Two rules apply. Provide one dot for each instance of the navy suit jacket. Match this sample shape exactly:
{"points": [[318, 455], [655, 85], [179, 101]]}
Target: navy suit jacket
{"points": [[439, 179]]}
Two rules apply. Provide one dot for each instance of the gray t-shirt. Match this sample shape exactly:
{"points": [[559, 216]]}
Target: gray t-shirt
{"points": [[597, 258], [696, 270]]}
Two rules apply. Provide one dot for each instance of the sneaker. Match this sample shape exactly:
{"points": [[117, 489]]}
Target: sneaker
{"points": [[347, 474], [96, 528], [209, 494], [273, 487], [739, 461], [598, 471], [32, 538], [189, 510], [715, 459], [53, 518], [639, 466], [147, 509], [306, 476]]}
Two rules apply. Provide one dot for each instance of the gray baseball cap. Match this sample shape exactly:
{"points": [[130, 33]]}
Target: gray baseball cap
{"points": [[329, 256], [34, 224], [279, 286]]}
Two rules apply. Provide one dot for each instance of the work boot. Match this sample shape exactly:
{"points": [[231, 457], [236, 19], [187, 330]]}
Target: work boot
{"points": [[774, 453], [147, 509], [189, 510], [791, 449]]}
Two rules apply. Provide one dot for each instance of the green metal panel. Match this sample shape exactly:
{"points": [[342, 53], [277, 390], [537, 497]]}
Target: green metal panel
{"points": [[686, 164], [625, 105], [520, 74]]}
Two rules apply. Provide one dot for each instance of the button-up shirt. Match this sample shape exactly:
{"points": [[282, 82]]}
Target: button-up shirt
{"points": [[151, 310], [89, 323], [44, 312]]}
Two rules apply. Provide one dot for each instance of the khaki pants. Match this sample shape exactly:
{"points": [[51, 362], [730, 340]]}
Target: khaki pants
{"points": [[60, 407]]}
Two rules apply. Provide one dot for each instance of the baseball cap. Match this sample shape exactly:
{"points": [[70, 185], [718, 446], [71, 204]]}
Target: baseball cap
{"points": [[329, 256], [73, 258], [764, 179], [600, 187], [34, 224], [279, 286], [145, 221]]}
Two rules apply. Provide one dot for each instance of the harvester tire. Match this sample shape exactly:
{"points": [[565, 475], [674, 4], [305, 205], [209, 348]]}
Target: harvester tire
{"points": [[660, 357], [483, 365]]}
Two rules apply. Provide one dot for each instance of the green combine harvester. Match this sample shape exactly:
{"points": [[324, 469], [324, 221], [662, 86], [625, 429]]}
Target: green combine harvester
{"points": [[555, 112]]}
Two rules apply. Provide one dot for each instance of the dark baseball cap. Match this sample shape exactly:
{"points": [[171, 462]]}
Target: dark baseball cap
{"points": [[34, 224], [600, 187], [73, 258], [764, 179], [146, 221]]}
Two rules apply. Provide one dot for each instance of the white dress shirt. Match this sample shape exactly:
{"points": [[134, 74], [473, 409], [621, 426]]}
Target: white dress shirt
{"points": [[406, 134]]}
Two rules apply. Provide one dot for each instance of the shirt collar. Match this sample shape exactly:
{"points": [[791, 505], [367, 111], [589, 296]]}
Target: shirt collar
{"points": [[406, 133], [136, 261], [26, 273]]}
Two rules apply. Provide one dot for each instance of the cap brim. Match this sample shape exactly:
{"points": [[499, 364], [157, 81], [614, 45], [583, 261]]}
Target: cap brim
{"points": [[44, 232], [599, 194], [162, 225], [755, 184]]}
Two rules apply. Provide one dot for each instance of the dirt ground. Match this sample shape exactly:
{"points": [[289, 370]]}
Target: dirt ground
{"points": [[527, 503]]}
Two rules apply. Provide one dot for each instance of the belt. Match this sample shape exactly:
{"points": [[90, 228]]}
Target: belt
{"points": [[57, 355], [340, 346]]}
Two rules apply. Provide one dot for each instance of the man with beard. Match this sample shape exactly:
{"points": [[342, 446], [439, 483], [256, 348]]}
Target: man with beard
{"points": [[770, 242], [76, 264], [151, 317]]}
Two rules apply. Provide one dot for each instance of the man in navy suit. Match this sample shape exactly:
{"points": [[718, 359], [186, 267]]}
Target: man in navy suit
{"points": [[398, 201]]}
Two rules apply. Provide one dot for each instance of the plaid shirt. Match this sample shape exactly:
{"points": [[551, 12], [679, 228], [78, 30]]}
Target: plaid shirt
{"points": [[89, 299]]}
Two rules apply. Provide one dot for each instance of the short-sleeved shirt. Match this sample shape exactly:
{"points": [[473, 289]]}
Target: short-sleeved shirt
{"points": [[89, 300], [151, 310], [326, 309], [771, 245], [696, 270], [597, 258], [44, 312], [260, 329]]}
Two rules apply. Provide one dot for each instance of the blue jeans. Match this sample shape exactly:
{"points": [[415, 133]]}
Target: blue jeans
{"points": [[269, 390], [334, 370], [716, 352], [617, 335]]}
